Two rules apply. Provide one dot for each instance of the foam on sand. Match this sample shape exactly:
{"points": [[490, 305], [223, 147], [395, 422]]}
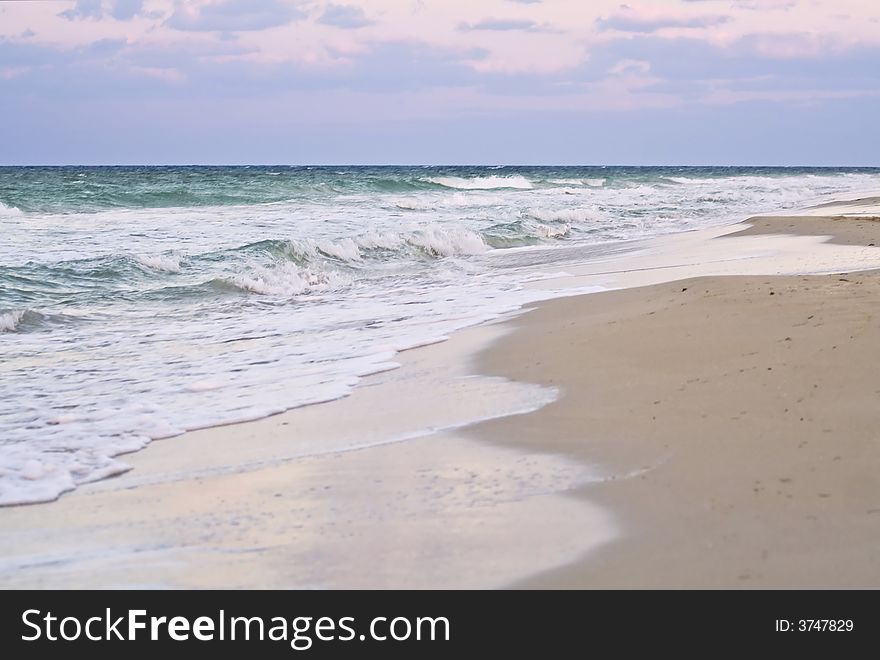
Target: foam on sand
{"points": [[441, 511], [697, 254]]}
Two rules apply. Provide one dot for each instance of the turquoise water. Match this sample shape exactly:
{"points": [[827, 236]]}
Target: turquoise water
{"points": [[91, 189], [138, 302]]}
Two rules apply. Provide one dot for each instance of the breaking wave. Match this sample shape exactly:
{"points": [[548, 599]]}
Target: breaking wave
{"points": [[9, 321], [9, 210], [27, 320], [163, 263], [592, 183], [571, 215], [482, 182], [433, 240], [285, 279], [441, 242]]}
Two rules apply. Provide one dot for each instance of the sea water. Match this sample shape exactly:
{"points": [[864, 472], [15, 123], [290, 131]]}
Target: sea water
{"points": [[140, 302]]}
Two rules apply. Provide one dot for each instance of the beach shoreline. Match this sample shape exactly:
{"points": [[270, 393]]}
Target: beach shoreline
{"points": [[582, 492], [735, 419]]}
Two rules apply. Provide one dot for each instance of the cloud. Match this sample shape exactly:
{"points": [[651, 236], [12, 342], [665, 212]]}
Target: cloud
{"points": [[692, 68], [29, 54], [102, 48], [624, 23], [125, 10], [121, 10], [234, 16], [499, 25], [183, 53], [207, 70], [182, 65], [84, 9], [21, 54], [757, 5], [344, 16]]}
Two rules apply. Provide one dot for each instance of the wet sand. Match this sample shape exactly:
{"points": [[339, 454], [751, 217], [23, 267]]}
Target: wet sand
{"points": [[737, 419]]}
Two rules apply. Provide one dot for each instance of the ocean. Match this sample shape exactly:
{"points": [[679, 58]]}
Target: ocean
{"points": [[140, 302]]}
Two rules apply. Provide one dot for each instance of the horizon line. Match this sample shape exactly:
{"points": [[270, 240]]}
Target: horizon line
{"points": [[428, 165]]}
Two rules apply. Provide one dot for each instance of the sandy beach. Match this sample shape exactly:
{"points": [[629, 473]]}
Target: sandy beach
{"points": [[736, 417], [714, 426]]}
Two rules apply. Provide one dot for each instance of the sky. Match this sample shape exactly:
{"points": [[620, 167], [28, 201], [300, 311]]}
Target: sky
{"points": [[726, 82]]}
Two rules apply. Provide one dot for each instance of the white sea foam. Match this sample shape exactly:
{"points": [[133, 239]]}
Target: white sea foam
{"points": [[440, 241], [285, 279], [8, 211], [414, 204], [375, 240], [546, 231], [163, 263], [345, 249], [592, 183], [431, 201], [482, 182], [9, 320], [567, 215], [434, 239]]}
